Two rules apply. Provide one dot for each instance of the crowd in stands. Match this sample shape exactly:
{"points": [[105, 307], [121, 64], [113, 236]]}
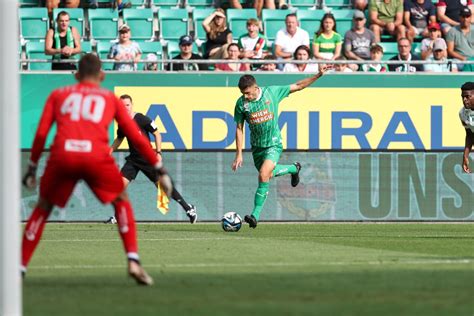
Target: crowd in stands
{"points": [[443, 32]]}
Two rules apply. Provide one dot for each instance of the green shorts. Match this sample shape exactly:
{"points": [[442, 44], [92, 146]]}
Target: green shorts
{"points": [[261, 154]]}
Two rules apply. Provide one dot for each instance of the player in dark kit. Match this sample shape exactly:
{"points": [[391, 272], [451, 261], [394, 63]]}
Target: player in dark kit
{"points": [[82, 113], [136, 162]]}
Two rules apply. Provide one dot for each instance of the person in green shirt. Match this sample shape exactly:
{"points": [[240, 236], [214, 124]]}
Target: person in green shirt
{"points": [[258, 106], [387, 16]]}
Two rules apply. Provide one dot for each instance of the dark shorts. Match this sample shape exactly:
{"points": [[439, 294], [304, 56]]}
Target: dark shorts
{"points": [[131, 168]]}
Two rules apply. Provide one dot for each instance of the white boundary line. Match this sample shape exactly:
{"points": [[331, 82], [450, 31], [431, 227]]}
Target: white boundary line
{"points": [[144, 239]]}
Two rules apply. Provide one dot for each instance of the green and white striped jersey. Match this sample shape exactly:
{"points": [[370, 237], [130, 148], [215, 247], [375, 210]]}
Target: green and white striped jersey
{"points": [[467, 118], [262, 115]]}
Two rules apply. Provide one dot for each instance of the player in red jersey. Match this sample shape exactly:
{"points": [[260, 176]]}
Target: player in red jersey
{"points": [[83, 113]]}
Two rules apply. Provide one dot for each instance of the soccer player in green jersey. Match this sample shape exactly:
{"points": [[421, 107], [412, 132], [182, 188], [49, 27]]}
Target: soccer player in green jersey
{"points": [[466, 114], [258, 106]]}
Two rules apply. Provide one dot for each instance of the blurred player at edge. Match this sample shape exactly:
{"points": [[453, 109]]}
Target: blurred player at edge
{"points": [[258, 106], [135, 161], [83, 113], [466, 114]]}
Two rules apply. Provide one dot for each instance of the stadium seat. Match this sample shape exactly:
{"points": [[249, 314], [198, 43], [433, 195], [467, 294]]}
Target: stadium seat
{"points": [[200, 15], [273, 21], [390, 49], [140, 22], [237, 20], [76, 17], [35, 50], [416, 48], [303, 4], [165, 4], [34, 23], [173, 49], [151, 48], [336, 4], [343, 20], [103, 48], [173, 23], [137, 3], [86, 47], [103, 24], [310, 20], [199, 4], [29, 3]]}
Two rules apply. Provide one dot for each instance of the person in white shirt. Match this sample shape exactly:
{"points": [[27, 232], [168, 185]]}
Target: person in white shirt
{"points": [[466, 114], [440, 53], [290, 38], [301, 53]]}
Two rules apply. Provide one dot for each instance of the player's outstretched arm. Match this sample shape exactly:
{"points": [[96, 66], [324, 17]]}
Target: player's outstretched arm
{"points": [[467, 150], [300, 85], [239, 136]]}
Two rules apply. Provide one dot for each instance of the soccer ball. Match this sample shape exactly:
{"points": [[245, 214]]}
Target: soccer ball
{"points": [[231, 222]]}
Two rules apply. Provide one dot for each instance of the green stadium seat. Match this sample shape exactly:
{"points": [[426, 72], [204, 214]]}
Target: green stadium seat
{"points": [[86, 47], [390, 49], [199, 4], [103, 49], [35, 50], [200, 15], [137, 3], [343, 20], [173, 49], [173, 23], [310, 20], [416, 48], [29, 3], [336, 4], [273, 21], [165, 4], [303, 4], [103, 24], [34, 23], [76, 17], [140, 22], [237, 20], [151, 48]]}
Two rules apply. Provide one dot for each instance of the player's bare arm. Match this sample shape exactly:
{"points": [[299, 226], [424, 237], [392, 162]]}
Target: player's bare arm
{"points": [[116, 144], [239, 136], [157, 143], [467, 150], [300, 85]]}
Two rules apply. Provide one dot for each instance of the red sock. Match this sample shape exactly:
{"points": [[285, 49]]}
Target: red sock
{"points": [[127, 228], [32, 235]]}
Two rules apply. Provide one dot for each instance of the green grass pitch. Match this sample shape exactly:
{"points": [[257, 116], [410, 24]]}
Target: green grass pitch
{"points": [[276, 269]]}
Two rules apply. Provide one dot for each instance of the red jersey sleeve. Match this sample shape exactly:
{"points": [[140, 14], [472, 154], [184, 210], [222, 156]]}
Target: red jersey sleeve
{"points": [[441, 3], [131, 130], [47, 119]]}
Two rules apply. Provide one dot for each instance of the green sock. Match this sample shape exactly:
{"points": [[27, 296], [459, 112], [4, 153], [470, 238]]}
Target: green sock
{"points": [[260, 197], [281, 170]]}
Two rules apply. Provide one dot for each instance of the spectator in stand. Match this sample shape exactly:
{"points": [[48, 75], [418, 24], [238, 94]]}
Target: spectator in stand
{"points": [[376, 54], [126, 52], [301, 53], [341, 67], [427, 43], [448, 12], [253, 45], [258, 5], [290, 38], [152, 62], [217, 34], [460, 39], [360, 5], [62, 42], [54, 4], [404, 54], [418, 14], [269, 66], [359, 39], [387, 16], [233, 53], [440, 54], [186, 53], [327, 42]]}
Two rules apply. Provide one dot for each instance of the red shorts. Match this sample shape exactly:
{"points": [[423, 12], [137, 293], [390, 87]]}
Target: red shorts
{"points": [[62, 174]]}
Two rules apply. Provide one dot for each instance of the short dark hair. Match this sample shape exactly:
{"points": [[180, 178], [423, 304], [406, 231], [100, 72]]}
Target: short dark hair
{"points": [[290, 15], [246, 81], [60, 14], [232, 45], [467, 86], [302, 47], [89, 66], [376, 48], [126, 96]]}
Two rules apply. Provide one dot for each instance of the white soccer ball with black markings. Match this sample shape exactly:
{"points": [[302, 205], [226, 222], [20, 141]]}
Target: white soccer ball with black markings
{"points": [[231, 222]]}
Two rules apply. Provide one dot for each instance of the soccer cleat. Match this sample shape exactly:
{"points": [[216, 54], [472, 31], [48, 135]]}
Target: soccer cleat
{"points": [[295, 178], [111, 220], [251, 220], [136, 271], [192, 214]]}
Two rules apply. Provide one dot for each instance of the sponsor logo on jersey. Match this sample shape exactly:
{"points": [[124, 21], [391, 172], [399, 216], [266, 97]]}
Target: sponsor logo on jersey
{"points": [[260, 117]]}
